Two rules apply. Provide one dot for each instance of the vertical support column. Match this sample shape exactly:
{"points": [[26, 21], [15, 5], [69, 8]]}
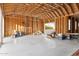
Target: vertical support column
{"points": [[59, 25], [25, 25], [65, 24], [56, 25], [34, 25], [1, 26], [30, 25], [39, 25], [76, 26], [62, 25], [43, 25]]}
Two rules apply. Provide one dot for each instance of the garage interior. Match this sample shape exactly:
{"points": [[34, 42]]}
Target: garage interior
{"points": [[22, 28]]}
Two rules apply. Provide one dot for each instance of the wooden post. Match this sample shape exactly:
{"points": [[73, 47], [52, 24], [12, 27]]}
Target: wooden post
{"points": [[65, 24]]}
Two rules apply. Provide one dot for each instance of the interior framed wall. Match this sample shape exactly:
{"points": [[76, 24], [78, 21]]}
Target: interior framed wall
{"points": [[73, 26], [25, 24]]}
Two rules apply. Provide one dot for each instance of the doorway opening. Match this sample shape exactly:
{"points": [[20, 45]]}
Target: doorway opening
{"points": [[49, 27]]}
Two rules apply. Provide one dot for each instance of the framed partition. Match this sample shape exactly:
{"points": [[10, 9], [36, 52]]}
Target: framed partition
{"points": [[73, 24]]}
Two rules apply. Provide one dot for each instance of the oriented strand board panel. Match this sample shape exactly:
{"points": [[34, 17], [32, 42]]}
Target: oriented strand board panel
{"points": [[26, 25], [13, 24]]}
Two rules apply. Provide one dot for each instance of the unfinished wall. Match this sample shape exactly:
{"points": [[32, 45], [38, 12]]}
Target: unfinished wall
{"points": [[62, 24], [25, 24]]}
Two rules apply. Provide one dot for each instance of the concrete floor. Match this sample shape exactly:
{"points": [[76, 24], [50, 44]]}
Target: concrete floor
{"points": [[38, 45]]}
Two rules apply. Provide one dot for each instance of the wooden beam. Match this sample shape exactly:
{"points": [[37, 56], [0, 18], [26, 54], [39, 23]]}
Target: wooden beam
{"points": [[68, 7]]}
